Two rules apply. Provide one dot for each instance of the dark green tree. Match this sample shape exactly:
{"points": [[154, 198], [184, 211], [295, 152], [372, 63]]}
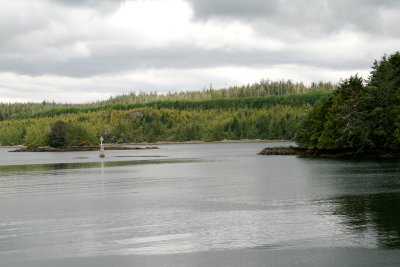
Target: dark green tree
{"points": [[309, 132], [385, 79], [358, 116], [58, 136]]}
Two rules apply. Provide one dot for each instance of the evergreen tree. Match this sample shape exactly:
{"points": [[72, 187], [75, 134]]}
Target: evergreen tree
{"points": [[58, 134], [358, 116]]}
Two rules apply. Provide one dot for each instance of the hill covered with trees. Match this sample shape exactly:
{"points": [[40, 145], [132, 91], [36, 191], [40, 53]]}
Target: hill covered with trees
{"points": [[360, 115], [208, 98], [265, 110]]}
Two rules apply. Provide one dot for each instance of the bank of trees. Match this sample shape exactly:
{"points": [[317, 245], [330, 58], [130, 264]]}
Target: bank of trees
{"points": [[150, 124], [360, 114], [265, 110], [308, 98], [263, 93], [259, 89]]}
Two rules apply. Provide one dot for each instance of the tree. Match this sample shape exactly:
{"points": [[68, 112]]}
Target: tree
{"points": [[358, 116], [309, 133], [58, 134], [385, 78], [79, 135], [37, 134]]}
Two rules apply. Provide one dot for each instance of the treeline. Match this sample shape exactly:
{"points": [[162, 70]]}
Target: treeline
{"points": [[221, 103], [265, 110], [151, 124], [263, 94], [360, 115], [262, 88]]}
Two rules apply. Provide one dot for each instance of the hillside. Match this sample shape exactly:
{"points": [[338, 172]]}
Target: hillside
{"points": [[264, 110], [238, 95]]}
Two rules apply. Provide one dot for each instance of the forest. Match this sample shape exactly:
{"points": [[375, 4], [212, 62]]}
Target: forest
{"points": [[241, 95], [357, 114], [264, 110], [360, 115]]}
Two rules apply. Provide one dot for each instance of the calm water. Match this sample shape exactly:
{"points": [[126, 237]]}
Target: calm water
{"points": [[197, 205]]}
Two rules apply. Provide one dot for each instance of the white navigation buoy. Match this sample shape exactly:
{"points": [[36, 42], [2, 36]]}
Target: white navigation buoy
{"points": [[101, 152]]}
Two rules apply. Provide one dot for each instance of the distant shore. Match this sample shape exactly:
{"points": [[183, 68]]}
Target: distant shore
{"points": [[80, 148], [135, 146], [326, 153], [210, 142], [128, 146]]}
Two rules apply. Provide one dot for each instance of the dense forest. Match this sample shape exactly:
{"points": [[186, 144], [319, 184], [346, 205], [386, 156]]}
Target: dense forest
{"points": [[206, 98], [357, 114], [360, 114], [265, 110]]}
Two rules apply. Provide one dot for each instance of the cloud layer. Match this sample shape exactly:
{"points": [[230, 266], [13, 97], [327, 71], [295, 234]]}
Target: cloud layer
{"points": [[94, 49]]}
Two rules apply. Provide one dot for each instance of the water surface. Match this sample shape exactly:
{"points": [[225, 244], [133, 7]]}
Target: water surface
{"points": [[202, 204]]}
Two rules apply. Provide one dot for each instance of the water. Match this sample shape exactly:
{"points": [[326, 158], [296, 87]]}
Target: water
{"points": [[197, 205]]}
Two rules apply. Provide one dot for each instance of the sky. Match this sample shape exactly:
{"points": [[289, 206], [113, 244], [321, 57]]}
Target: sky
{"points": [[75, 51]]}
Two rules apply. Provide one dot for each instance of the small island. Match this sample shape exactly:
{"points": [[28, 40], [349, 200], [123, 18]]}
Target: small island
{"points": [[359, 119]]}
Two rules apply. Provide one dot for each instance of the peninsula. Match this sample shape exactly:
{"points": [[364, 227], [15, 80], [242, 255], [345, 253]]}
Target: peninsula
{"points": [[360, 118]]}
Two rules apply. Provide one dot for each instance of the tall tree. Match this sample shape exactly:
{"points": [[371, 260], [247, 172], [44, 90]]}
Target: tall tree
{"points": [[358, 116]]}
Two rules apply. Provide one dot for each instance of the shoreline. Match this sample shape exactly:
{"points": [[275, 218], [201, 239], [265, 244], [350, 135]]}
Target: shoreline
{"points": [[244, 141], [136, 146], [326, 153], [79, 149]]}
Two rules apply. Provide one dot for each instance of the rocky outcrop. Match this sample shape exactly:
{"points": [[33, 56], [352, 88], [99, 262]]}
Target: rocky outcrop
{"points": [[283, 150], [326, 153]]}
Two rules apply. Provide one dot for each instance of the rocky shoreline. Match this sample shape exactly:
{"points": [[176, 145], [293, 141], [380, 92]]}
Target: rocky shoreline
{"points": [[325, 153], [283, 151], [80, 148]]}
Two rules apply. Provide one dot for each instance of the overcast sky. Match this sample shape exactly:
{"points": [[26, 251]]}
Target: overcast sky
{"points": [[86, 50]]}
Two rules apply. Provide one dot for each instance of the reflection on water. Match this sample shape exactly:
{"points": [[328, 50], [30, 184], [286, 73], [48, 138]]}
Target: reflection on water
{"points": [[30, 169], [366, 198], [379, 213], [194, 198]]}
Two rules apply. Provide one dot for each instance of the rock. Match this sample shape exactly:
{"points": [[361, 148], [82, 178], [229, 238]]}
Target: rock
{"points": [[326, 153], [283, 150]]}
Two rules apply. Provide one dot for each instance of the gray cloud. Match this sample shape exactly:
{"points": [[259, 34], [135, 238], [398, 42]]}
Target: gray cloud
{"points": [[36, 45], [308, 17], [124, 58], [77, 40], [102, 6], [91, 3]]}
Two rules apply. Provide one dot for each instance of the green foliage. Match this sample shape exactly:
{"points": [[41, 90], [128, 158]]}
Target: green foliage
{"points": [[79, 135], [37, 134], [263, 94], [307, 135], [149, 125], [264, 110], [358, 116], [58, 134], [71, 133], [12, 133]]}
